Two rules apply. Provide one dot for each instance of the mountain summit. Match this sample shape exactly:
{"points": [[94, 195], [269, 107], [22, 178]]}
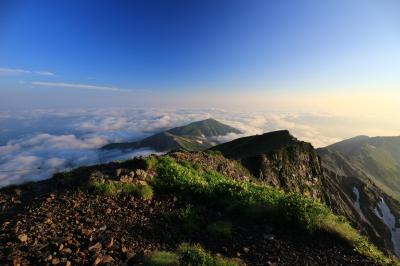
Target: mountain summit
{"points": [[279, 159], [195, 136]]}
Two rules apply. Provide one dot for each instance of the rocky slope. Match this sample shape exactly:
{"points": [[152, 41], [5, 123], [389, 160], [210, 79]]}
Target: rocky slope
{"points": [[280, 160], [120, 213], [351, 193], [375, 158], [195, 136]]}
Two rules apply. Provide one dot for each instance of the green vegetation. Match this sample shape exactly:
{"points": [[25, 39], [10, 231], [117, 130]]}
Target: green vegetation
{"points": [[162, 258], [196, 255], [290, 209], [187, 254], [144, 192], [220, 229], [188, 217], [110, 188]]}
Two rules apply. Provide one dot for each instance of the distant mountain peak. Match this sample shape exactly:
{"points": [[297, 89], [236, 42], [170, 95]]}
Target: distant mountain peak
{"points": [[195, 136]]}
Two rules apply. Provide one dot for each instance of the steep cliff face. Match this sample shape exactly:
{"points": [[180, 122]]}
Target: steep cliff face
{"points": [[280, 160], [293, 168], [349, 192]]}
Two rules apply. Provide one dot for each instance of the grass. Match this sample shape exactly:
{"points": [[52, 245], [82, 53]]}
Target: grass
{"points": [[220, 229], [285, 208], [187, 254], [113, 188], [196, 255], [144, 192], [189, 218], [162, 258]]}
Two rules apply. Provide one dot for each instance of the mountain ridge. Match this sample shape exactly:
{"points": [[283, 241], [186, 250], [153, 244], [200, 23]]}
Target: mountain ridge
{"points": [[195, 136], [283, 161], [271, 166]]}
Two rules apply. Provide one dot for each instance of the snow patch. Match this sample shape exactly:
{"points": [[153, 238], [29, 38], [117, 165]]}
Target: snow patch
{"points": [[357, 203], [389, 219]]}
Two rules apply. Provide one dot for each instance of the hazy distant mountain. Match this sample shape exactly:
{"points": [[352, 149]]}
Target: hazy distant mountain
{"points": [[377, 158], [195, 136]]}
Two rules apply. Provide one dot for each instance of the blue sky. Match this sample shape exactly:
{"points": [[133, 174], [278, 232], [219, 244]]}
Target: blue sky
{"points": [[58, 51]]}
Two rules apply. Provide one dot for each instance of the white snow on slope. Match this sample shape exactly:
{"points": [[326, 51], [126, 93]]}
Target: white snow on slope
{"points": [[390, 220]]}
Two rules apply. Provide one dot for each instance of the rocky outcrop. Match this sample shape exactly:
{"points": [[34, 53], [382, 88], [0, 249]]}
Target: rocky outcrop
{"points": [[214, 161], [279, 159], [295, 168]]}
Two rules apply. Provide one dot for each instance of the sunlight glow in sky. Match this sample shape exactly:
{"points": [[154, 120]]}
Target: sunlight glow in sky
{"points": [[332, 56]]}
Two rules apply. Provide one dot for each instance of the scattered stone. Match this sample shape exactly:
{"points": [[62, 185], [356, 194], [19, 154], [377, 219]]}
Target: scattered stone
{"points": [[16, 261], [55, 261], [97, 260], [86, 232], [23, 238], [103, 228], [67, 250], [111, 243], [140, 174], [95, 247], [107, 259]]}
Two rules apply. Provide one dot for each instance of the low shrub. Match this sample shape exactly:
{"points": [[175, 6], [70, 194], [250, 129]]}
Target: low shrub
{"points": [[187, 254], [196, 255], [144, 192], [113, 188]]}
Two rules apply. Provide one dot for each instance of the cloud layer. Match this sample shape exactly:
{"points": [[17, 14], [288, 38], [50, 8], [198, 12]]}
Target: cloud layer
{"points": [[36, 144]]}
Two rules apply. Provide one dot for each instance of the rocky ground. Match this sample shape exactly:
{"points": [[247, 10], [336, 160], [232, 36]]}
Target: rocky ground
{"points": [[51, 224]]}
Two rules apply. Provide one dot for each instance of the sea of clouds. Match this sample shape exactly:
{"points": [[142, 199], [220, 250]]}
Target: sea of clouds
{"points": [[36, 144]]}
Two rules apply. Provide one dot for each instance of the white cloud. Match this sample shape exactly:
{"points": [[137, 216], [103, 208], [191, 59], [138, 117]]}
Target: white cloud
{"points": [[15, 71], [44, 73], [32, 151], [76, 86]]}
